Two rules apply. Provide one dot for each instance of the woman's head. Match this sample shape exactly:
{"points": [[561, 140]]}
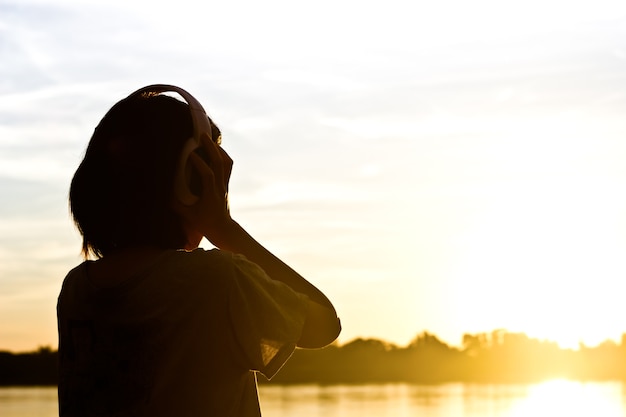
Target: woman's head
{"points": [[121, 194]]}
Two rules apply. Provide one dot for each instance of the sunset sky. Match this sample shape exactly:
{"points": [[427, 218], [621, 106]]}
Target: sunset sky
{"points": [[445, 166]]}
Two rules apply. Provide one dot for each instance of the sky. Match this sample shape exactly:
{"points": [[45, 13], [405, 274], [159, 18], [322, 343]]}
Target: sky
{"points": [[451, 167]]}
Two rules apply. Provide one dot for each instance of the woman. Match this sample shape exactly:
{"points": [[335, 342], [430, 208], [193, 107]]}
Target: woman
{"points": [[155, 326]]}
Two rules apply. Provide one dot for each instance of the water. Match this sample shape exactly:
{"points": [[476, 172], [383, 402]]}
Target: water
{"points": [[553, 398]]}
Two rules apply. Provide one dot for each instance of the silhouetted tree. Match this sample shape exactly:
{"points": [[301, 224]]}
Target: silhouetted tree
{"points": [[31, 368]]}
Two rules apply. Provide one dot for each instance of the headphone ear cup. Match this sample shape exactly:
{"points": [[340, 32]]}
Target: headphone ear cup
{"points": [[195, 180], [184, 174]]}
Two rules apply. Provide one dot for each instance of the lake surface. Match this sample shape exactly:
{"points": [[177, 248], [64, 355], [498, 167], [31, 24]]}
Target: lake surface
{"points": [[552, 398]]}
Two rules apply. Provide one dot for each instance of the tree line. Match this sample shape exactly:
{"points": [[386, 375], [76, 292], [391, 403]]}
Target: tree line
{"points": [[496, 357]]}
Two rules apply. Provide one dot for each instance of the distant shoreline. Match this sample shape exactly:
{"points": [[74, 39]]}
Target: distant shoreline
{"points": [[496, 357]]}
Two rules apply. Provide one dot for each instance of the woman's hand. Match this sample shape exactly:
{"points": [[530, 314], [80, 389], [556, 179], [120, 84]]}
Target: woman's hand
{"points": [[210, 215]]}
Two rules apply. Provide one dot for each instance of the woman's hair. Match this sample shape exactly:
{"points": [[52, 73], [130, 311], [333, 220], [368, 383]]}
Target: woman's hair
{"points": [[122, 192]]}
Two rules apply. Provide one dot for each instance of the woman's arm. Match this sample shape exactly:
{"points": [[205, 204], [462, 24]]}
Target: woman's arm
{"points": [[322, 325], [210, 216]]}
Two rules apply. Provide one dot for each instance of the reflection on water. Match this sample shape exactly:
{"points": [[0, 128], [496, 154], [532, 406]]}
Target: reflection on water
{"points": [[553, 398], [28, 402]]}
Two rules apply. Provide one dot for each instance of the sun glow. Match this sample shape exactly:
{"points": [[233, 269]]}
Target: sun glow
{"points": [[544, 249], [570, 398]]}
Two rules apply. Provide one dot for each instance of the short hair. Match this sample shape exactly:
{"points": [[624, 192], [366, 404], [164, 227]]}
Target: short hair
{"points": [[121, 194]]}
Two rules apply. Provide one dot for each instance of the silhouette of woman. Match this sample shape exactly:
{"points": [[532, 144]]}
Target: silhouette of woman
{"points": [[154, 325]]}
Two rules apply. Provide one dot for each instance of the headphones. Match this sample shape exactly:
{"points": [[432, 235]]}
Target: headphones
{"points": [[201, 125]]}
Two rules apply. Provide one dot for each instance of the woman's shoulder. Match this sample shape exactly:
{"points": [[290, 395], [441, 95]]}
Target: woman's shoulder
{"points": [[213, 263], [217, 264], [199, 258], [196, 270], [212, 258]]}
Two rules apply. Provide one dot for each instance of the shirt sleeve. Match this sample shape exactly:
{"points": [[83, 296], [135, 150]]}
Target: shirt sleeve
{"points": [[267, 317]]}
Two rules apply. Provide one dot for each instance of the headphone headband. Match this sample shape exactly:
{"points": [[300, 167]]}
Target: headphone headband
{"points": [[198, 114], [201, 125]]}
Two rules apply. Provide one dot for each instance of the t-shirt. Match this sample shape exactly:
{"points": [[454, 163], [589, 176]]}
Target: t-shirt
{"points": [[182, 338]]}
